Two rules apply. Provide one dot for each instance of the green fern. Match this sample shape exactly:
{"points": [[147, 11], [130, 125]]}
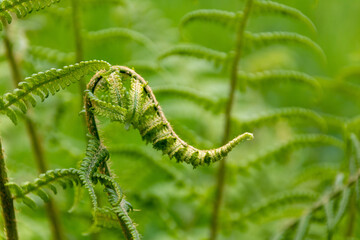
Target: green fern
{"points": [[51, 55], [260, 79], [21, 8], [44, 83], [256, 40], [292, 113], [196, 51], [264, 7], [144, 113], [301, 141]]}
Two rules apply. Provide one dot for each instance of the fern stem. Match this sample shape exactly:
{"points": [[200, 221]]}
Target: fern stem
{"points": [[79, 50], [35, 141], [233, 82], [104, 168], [7, 203]]}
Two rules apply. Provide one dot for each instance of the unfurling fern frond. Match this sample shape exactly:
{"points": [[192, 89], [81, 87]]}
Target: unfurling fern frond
{"points": [[96, 154], [259, 79], [62, 177], [263, 7], [255, 40], [44, 83], [21, 8], [222, 17], [286, 113], [280, 201], [145, 114], [301, 141], [206, 102], [103, 218], [110, 33], [196, 51], [51, 55]]}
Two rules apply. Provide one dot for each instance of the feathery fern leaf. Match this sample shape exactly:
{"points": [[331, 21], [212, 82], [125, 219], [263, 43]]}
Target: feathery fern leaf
{"points": [[263, 7], [104, 218], [255, 40], [222, 17], [277, 202], [206, 102], [287, 113], [259, 79], [121, 33], [303, 227], [63, 177], [44, 83], [196, 51], [300, 141], [21, 8], [51, 55], [96, 154]]}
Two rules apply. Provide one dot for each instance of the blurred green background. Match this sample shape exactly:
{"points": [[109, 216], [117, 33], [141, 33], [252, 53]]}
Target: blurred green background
{"points": [[174, 201]]}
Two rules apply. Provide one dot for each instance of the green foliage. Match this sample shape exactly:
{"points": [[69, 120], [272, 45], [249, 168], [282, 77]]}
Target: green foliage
{"points": [[51, 55], [44, 83], [21, 8]]}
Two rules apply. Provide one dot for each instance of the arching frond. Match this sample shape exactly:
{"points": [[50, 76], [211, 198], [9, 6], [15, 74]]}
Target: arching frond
{"points": [[51, 55], [222, 17], [298, 142], [286, 113], [21, 8], [259, 79], [62, 177], [207, 102], [255, 40], [117, 32], [196, 51], [44, 83], [279, 201], [264, 7]]}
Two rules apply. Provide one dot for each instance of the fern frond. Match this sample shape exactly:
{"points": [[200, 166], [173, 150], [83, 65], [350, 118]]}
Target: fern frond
{"points": [[44, 83], [298, 142], [264, 7], [63, 177], [106, 109], [259, 79], [277, 202], [303, 227], [291, 113], [196, 51], [317, 173], [206, 102], [145, 114], [117, 32], [51, 55], [96, 154], [104, 218], [21, 8], [224, 18], [255, 40]]}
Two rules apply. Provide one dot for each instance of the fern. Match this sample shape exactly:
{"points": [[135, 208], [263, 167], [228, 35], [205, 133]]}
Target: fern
{"points": [[144, 113], [44, 83], [196, 51], [292, 113], [109, 33], [297, 142], [256, 40], [62, 177], [206, 102], [264, 7], [260, 79], [21, 8], [51, 55]]}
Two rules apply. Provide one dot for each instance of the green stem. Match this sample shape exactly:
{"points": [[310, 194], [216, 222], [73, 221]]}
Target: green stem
{"points": [[35, 141], [233, 83], [7, 203], [79, 50], [92, 128]]}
